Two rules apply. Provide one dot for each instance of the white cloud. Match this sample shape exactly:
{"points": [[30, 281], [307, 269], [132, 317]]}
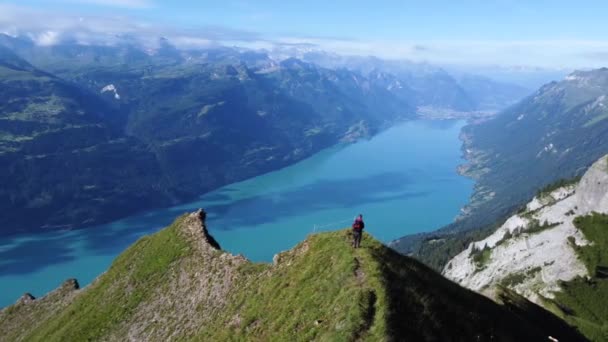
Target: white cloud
{"points": [[542, 53], [188, 42], [50, 27], [116, 3], [46, 38]]}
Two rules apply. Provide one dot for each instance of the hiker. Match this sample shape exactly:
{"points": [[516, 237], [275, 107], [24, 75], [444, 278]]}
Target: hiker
{"points": [[358, 226]]}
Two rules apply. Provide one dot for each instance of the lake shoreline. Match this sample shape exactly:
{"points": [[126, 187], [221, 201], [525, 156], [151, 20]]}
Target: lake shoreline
{"points": [[347, 139], [402, 179]]}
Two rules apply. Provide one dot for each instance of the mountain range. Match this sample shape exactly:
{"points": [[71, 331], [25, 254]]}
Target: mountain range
{"points": [[94, 133]]}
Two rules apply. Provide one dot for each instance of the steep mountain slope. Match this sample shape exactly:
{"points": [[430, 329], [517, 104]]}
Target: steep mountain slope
{"points": [[64, 155], [549, 252], [554, 134], [223, 122], [132, 131], [178, 285]]}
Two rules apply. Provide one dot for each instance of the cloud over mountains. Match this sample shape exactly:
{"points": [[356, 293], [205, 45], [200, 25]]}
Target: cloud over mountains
{"points": [[48, 27], [117, 3]]}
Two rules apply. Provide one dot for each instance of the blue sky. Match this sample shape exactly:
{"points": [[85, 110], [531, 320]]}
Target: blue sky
{"points": [[534, 32]]}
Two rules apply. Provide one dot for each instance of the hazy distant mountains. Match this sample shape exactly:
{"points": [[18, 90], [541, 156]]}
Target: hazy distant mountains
{"points": [[92, 133], [431, 86]]}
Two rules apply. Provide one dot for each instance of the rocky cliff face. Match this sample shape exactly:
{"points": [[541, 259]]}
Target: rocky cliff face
{"points": [[178, 285], [535, 251]]}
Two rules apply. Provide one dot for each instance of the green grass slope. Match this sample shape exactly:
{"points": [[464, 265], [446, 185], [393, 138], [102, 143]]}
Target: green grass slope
{"points": [[582, 302], [176, 285], [107, 302]]}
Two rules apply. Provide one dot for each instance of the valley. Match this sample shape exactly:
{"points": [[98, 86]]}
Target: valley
{"points": [[175, 130], [192, 170], [554, 134], [156, 129], [392, 178]]}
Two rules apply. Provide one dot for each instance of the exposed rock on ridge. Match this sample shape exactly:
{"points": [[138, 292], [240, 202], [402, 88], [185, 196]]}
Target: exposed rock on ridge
{"points": [[535, 246]]}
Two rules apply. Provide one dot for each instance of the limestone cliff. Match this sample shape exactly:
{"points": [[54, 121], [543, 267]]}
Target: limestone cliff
{"points": [[537, 241], [557, 240]]}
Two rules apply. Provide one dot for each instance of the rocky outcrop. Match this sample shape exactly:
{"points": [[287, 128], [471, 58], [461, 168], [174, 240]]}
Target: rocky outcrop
{"points": [[31, 312], [195, 288], [533, 251], [201, 215], [27, 298], [69, 285], [593, 189]]}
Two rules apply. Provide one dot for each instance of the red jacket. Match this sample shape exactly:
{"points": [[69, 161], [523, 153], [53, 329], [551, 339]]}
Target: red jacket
{"points": [[358, 225]]}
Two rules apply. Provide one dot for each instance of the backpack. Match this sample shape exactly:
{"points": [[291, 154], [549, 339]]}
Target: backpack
{"points": [[357, 225]]}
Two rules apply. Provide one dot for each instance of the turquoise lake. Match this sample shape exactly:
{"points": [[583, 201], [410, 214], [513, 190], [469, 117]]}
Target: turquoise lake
{"points": [[403, 181]]}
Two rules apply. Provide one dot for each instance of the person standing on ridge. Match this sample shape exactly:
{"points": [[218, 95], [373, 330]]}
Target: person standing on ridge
{"points": [[358, 226]]}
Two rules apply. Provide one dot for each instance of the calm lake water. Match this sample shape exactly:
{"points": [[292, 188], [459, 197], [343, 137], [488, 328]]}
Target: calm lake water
{"points": [[403, 181]]}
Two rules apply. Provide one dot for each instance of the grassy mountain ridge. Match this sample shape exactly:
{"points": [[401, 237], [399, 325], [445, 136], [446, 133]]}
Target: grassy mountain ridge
{"points": [[176, 285]]}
